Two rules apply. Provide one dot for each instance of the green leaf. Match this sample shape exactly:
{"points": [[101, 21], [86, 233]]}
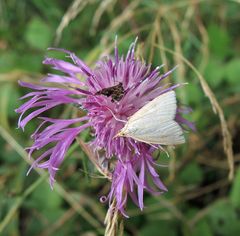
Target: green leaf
{"points": [[202, 228], [8, 102], [194, 93], [232, 71], [38, 34], [223, 219], [219, 40], [191, 174], [235, 191], [30, 62], [214, 72], [48, 8], [159, 228], [45, 198], [13, 100], [8, 61]]}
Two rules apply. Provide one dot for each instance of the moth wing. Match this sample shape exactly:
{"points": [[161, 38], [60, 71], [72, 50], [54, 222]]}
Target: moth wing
{"points": [[165, 133], [154, 122], [162, 107]]}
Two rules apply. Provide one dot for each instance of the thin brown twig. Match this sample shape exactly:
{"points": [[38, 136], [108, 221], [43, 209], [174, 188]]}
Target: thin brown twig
{"points": [[103, 6], [205, 40], [206, 189], [119, 21], [235, 99], [199, 216], [172, 208], [58, 188], [50, 229], [177, 59], [113, 221], [161, 42], [93, 158], [74, 9], [188, 16], [16, 75]]}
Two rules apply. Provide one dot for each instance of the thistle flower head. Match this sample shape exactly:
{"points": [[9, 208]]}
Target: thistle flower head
{"points": [[113, 91]]}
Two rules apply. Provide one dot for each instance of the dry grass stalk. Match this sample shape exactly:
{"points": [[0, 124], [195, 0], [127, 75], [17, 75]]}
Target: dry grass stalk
{"points": [[227, 138], [103, 6], [113, 221], [75, 8], [93, 158], [120, 20]]}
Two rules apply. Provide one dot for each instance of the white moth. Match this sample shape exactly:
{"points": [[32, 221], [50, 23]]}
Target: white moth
{"points": [[154, 123]]}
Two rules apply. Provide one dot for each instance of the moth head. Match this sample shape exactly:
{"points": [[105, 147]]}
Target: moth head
{"points": [[126, 131], [121, 133]]}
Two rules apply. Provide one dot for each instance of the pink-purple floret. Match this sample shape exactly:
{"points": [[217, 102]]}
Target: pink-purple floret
{"points": [[134, 163]]}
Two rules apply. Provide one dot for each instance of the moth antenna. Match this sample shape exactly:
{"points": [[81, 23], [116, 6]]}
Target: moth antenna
{"points": [[161, 165], [124, 121], [92, 175], [152, 145], [164, 150]]}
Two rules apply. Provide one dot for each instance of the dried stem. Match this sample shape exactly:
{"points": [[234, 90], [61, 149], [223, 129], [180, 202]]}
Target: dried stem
{"points": [[75, 8], [113, 221], [93, 158], [227, 138]]}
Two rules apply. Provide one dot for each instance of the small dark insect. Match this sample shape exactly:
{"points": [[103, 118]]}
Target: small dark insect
{"points": [[116, 92]]}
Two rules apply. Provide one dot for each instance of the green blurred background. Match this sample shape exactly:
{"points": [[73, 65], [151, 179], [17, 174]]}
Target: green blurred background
{"points": [[201, 199]]}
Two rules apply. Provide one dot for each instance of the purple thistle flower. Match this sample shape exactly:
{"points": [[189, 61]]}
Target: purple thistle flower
{"points": [[113, 91]]}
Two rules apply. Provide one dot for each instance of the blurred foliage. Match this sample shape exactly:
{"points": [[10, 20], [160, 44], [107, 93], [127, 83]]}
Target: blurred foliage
{"points": [[201, 200]]}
